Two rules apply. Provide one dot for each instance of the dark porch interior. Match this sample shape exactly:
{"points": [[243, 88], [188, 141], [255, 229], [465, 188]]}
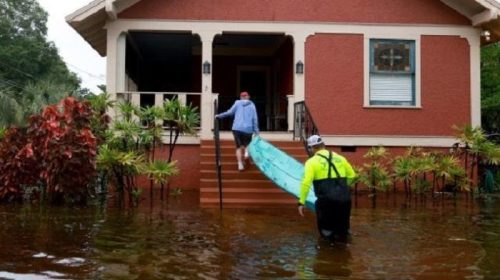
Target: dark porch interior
{"points": [[261, 64]]}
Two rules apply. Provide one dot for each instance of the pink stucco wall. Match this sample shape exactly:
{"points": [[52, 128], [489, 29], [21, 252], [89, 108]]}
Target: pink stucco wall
{"points": [[373, 11], [334, 88]]}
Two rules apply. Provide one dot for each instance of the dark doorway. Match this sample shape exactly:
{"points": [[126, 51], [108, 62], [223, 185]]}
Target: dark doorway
{"points": [[261, 64], [256, 82]]}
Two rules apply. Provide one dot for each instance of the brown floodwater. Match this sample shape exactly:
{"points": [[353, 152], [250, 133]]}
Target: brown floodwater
{"points": [[179, 240]]}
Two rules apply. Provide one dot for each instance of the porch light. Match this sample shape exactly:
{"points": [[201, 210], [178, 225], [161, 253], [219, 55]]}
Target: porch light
{"points": [[486, 34], [299, 67], [206, 67]]}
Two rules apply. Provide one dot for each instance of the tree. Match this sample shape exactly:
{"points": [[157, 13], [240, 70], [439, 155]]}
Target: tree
{"points": [[31, 70], [490, 88]]}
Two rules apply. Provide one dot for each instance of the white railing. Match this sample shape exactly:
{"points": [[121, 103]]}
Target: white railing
{"points": [[206, 112], [134, 97]]}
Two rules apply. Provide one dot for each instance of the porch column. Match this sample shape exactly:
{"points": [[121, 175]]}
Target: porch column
{"points": [[299, 54], [207, 38], [475, 80], [299, 41], [115, 63]]}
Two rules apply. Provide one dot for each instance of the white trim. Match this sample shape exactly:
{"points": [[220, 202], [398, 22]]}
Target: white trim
{"points": [[341, 140], [86, 11], [388, 141], [366, 67], [484, 17], [110, 9], [296, 29]]}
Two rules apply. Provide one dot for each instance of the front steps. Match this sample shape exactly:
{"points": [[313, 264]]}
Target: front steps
{"points": [[249, 188]]}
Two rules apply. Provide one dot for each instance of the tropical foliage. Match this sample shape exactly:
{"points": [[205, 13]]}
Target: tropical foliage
{"points": [[490, 88], [56, 152], [420, 171], [32, 74]]}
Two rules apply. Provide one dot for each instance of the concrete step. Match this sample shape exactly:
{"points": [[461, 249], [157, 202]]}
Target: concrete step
{"points": [[249, 202], [233, 174], [232, 157], [249, 188], [246, 193], [238, 183]]}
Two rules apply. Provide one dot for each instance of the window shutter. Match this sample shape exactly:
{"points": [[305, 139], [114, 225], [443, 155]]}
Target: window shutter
{"points": [[391, 88]]}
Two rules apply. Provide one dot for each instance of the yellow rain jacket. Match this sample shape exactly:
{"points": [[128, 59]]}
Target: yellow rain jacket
{"points": [[316, 168]]}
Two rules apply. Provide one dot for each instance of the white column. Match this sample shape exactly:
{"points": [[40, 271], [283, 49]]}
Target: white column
{"points": [[475, 80], [299, 54], [291, 111], [115, 64], [121, 50], [207, 113]]}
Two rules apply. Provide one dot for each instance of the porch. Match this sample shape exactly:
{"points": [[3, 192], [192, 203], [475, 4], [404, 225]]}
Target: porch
{"points": [[164, 65]]}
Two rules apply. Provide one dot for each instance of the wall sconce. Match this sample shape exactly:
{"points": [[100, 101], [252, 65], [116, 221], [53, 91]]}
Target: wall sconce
{"points": [[206, 67], [486, 34], [299, 67]]}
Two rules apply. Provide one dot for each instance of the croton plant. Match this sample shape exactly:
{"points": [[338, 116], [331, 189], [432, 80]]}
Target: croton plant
{"points": [[57, 152]]}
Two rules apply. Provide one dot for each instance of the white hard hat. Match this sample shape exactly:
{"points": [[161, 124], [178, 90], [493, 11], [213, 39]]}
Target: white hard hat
{"points": [[314, 140]]}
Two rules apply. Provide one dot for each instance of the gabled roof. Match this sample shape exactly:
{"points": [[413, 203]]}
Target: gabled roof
{"points": [[90, 20]]}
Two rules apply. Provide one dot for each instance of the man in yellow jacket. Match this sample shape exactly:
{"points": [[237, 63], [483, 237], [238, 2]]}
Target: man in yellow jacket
{"points": [[329, 173]]}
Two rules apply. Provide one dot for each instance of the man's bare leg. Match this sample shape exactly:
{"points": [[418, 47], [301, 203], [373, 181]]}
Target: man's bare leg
{"points": [[239, 157]]}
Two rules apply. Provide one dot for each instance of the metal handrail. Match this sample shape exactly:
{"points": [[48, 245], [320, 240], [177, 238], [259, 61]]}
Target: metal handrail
{"points": [[304, 124], [217, 152]]}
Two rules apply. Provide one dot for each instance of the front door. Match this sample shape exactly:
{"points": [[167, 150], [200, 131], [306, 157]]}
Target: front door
{"points": [[255, 80]]}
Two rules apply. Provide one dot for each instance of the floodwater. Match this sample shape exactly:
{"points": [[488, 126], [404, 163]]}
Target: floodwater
{"points": [[179, 240]]}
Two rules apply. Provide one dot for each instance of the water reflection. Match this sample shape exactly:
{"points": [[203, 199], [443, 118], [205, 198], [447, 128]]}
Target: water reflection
{"points": [[177, 240]]}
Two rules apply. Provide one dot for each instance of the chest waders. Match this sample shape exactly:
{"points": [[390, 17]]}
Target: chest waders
{"points": [[333, 206]]}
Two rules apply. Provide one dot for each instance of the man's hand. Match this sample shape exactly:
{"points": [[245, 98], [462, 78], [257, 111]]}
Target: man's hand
{"points": [[217, 116], [301, 210]]}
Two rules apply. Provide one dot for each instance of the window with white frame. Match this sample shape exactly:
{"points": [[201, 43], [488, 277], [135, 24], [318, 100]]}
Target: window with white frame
{"points": [[392, 72]]}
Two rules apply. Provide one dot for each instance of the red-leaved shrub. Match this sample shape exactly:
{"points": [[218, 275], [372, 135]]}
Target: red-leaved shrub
{"points": [[18, 166], [63, 148]]}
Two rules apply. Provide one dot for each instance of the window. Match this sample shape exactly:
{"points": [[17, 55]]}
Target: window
{"points": [[392, 72]]}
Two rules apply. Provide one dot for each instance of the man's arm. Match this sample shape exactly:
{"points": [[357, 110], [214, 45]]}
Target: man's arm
{"points": [[229, 112], [255, 121], [349, 172], [306, 183]]}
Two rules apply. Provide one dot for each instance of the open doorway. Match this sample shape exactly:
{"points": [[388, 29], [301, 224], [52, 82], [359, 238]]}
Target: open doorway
{"points": [[261, 64], [256, 81]]}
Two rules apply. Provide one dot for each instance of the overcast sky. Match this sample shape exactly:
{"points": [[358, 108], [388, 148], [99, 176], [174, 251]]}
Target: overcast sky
{"points": [[80, 57]]}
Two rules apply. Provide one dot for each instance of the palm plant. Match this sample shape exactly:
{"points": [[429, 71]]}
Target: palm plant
{"points": [[100, 103], [125, 133], [426, 164], [376, 169], [445, 168], [151, 118], [478, 147], [127, 110], [179, 119], [124, 165], [160, 172], [402, 171]]}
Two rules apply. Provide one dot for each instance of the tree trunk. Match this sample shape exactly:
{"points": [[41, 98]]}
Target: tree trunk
{"points": [[161, 191]]}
